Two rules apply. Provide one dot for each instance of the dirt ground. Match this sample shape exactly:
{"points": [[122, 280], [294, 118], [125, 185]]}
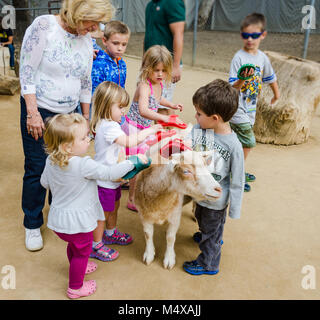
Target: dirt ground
{"points": [[215, 49], [263, 253]]}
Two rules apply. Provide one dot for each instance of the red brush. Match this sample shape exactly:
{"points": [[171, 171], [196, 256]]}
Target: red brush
{"points": [[161, 135], [173, 146], [173, 122]]}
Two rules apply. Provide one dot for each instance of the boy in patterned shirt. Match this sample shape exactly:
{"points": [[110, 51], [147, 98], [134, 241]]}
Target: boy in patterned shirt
{"points": [[108, 64], [252, 33]]}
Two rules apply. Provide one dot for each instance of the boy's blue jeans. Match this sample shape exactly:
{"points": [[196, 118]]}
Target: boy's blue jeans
{"points": [[33, 194], [211, 224]]}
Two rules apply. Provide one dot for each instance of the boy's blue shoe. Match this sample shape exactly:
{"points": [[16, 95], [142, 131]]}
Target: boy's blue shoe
{"points": [[247, 187], [250, 177], [197, 237], [193, 267]]}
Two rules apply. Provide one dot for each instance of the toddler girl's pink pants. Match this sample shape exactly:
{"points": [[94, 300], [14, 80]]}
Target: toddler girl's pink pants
{"points": [[78, 252]]}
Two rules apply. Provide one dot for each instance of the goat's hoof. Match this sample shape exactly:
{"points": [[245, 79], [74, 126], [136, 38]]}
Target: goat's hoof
{"points": [[148, 258], [169, 263]]}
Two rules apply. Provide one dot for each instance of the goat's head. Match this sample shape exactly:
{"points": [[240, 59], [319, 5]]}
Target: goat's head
{"points": [[192, 176]]}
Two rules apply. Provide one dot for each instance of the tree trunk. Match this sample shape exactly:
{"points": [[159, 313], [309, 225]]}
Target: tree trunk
{"points": [[204, 12], [288, 121]]}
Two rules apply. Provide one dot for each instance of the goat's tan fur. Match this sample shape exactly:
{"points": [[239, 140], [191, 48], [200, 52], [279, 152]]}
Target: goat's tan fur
{"points": [[159, 196]]}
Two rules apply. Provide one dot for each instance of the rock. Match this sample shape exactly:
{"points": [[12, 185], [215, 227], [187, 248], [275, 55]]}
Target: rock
{"points": [[288, 121], [9, 85], [5, 69]]}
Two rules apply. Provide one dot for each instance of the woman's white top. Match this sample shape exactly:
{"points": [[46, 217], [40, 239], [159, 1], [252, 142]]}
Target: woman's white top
{"points": [[107, 151], [75, 206], [55, 65]]}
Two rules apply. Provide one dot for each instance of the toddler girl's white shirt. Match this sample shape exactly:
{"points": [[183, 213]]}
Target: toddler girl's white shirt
{"points": [[75, 203], [55, 65], [107, 151]]}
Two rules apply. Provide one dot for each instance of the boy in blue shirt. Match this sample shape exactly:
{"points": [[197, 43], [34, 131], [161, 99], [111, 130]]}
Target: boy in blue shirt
{"points": [[108, 64], [215, 104], [252, 33]]}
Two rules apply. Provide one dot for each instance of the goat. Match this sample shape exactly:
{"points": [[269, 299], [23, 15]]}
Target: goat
{"points": [[159, 196]]}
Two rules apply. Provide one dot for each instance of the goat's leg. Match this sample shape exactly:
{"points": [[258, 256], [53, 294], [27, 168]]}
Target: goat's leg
{"points": [[148, 255], [170, 256]]}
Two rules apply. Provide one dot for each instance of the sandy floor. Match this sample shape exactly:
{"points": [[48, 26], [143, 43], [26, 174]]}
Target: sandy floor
{"points": [[263, 252]]}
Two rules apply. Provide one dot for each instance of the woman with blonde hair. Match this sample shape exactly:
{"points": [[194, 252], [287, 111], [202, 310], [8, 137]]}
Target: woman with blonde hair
{"points": [[55, 75]]}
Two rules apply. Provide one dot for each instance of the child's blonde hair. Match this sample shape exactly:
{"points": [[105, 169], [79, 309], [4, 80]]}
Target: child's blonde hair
{"points": [[60, 129], [106, 94], [74, 12], [154, 55], [116, 26]]}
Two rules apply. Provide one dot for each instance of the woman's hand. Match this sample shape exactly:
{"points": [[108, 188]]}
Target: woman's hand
{"points": [[35, 125]]}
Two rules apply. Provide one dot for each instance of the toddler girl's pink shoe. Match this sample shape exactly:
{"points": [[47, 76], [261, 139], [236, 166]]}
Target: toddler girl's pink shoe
{"points": [[91, 267], [88, 288]]}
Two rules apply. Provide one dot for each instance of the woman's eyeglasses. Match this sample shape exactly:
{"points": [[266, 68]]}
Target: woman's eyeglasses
{"points": [[254, 35]]}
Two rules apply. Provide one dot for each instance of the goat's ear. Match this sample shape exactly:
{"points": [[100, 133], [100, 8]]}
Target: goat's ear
{"points": [[172, 164], [174, 161], [175, 158]]}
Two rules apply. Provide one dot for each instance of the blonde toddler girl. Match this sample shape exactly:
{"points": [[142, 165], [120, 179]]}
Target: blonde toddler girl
{"points": [[75, 207]]}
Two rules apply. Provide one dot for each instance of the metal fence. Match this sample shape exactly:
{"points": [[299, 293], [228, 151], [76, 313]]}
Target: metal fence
{"points": [[213, 26]]}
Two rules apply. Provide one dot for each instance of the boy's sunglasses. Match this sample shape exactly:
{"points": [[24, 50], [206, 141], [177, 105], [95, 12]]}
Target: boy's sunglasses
{"points": [[254, 35]]}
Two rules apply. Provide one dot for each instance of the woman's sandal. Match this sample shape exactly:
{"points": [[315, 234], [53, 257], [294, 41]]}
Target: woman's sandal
{"points": [[161, 135], [88, 288], [174, 121], [91, 266], [173, 146]]}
